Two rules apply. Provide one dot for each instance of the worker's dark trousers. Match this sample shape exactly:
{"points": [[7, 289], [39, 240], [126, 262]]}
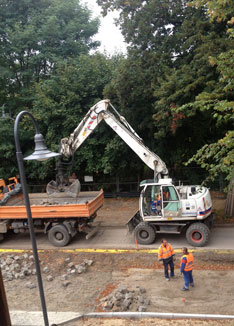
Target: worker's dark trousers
{"points": [[188, 278], [166, 263]]}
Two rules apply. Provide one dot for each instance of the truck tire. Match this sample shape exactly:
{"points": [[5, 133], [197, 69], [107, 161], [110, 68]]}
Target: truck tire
{"points": [[197, 234], [144, 233], [58, 235]]}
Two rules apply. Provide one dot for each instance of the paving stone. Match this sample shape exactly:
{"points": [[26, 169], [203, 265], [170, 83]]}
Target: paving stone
{"points": [[31, 257], [9, 261], [30, 285], [64, 277], [142, 290], [22, 276], [70, 265], [16, 258], [129, 296], [123, 290], [67, 260], [142, 309], [88, 262], [66, 283], [46, 270], [126, 304], [147, 302], [108, 305], [49, 278]]}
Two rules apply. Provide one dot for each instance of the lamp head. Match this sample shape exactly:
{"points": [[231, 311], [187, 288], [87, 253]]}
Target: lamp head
{"points": [[41, 152]]}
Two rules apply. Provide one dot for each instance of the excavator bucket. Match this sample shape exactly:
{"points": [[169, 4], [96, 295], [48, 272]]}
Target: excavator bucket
{"points": [[70, 190]]}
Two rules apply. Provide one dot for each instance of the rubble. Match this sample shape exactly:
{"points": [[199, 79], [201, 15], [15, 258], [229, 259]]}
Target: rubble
{"points": [[20, 267], [124, 299]]}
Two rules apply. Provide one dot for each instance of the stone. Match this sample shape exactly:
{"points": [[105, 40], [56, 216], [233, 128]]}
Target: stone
{"points": [[66, 283], [88, 262], [22, 276], [129, 296], [119, 295], [64, 277], [147, 302], [31, 257], [80, 269], [108, 305], [123, 290], [70, 265], [46, 270], [30, 285], [25, 256], [73, 271], [141, 299], [17, 276], [126, 304], [141, 309], [142, 290], [67, 260], [49, 278], [9, 276], [16, 258], [9, 261], [34, 271]]}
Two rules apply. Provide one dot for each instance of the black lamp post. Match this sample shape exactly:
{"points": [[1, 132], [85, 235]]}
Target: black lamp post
{"points": [[41, 153]]}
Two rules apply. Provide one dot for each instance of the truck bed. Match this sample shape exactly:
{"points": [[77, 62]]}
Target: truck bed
{"points": [[44, 206]]}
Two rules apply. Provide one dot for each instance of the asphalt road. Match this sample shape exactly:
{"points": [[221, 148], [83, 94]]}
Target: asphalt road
{"points": [[119, 238]]}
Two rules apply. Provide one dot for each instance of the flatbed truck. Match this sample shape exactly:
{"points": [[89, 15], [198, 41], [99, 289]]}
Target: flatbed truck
{"points": [[61, 217]]}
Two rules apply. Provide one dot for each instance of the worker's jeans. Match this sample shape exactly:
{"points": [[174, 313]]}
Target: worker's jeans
{"points": [[188, 278], [166, 263]]}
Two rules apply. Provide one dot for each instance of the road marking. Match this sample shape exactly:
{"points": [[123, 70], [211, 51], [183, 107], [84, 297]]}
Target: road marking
{"points": [[116, 251]]}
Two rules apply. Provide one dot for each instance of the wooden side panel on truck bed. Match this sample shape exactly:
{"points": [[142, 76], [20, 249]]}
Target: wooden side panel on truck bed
{"points": [[43, 206]]}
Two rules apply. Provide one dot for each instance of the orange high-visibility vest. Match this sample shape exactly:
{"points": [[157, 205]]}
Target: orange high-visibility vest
{"points": [[165, 252], [189, 263]]}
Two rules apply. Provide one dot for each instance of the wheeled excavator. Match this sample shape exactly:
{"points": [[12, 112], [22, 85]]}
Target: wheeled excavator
{"points": [[163, 207]]}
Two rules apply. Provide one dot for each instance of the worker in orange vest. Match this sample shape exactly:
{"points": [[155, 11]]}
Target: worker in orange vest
{"points": [[166, 255], [186, 267]]}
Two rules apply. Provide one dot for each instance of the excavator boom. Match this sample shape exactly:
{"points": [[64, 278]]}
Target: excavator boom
{"points": [[118, 123]]}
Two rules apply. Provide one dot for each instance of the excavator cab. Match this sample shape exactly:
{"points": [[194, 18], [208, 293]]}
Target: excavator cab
{"points": [[5, 188], [160, 200]]}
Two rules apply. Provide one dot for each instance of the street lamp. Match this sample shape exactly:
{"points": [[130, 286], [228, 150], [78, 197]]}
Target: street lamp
{"points": [[41, 153]]}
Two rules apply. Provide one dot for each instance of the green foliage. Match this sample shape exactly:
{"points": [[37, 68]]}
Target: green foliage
{"points": [[62, 101], [218, 157], [34, 36]]}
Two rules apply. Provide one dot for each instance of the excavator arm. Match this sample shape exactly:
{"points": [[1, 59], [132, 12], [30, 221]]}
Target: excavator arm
{"points": [[94, 116]]}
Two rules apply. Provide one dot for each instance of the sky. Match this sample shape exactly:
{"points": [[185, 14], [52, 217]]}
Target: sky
{"points": [[109, 35]]}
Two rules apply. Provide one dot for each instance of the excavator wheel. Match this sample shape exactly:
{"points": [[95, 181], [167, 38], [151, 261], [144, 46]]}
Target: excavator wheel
{"points": [[144, 233], [197, 234]]}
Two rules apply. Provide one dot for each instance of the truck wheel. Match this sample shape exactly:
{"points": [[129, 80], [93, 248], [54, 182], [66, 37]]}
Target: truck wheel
{"points": [[144, 233], [198, 234], [58, 235]]}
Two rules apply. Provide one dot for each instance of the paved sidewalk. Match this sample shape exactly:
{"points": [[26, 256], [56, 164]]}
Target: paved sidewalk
{"points": [[35, 318]]}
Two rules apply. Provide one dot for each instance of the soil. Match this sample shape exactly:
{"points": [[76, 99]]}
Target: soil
{"points": [[213, 276]]}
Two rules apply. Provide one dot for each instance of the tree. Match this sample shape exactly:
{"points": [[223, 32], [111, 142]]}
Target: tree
{"points": [[170, 45], [36, 35], [218, 157], [62, 101]]}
